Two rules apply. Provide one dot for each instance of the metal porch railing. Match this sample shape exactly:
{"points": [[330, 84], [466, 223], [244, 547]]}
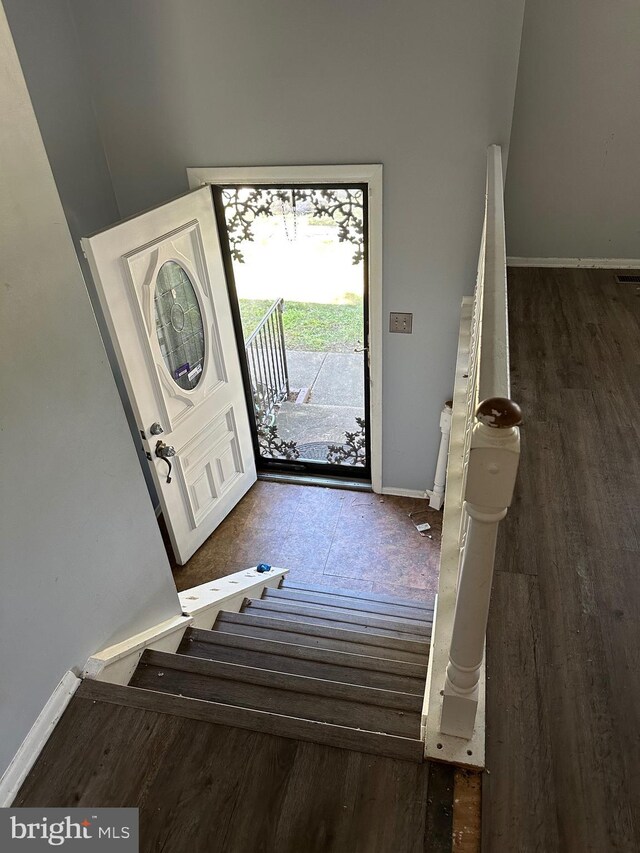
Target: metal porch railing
{"points": [[267, 362]]}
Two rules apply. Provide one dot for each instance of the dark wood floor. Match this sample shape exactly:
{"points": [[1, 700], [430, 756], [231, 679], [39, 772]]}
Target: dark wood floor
{"points": [[204, 788], [329, 537], [563, 739]]}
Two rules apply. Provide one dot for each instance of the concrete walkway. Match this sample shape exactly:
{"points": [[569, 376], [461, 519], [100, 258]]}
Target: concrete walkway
{"points": [[334, 378], [336, 396]]}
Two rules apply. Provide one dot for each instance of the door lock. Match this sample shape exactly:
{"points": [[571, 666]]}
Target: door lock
{"points": [[156, 429], [165, 451]]}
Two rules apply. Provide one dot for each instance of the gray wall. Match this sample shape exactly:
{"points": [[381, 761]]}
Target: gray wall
{"points": [[45, 36], [574, 172], [81, 559], [422, 87]]}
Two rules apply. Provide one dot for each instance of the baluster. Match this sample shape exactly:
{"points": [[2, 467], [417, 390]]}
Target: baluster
{"points": [[264, 346], [493, 463], [276, 355], [283, 346], [251, 351], [262, 396], [437, 495], [273, 379]]}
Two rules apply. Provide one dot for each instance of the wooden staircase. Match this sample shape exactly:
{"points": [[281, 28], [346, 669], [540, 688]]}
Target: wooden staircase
{"points": [[332, 667]]}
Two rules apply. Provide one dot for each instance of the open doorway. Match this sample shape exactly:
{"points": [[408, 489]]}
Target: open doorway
{"points": [[331, 329], [296, 260]]}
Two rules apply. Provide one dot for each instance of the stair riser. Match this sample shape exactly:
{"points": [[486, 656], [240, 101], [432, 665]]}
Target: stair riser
{"points": [[275, 701], [313, 669]]}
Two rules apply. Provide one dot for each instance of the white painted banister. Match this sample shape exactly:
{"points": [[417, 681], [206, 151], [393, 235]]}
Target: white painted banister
{"points": [[491, 474], [439, 481], [481, 471], [493, 379]]}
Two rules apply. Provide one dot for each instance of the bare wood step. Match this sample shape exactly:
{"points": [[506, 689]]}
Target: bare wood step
{"points": [[335, 600], [322, 637], [352, 620], [291, 583], [392, 746], [304, 660], [280, 693]]}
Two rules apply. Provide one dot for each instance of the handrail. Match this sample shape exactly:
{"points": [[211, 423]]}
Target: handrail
{"points": [[273, 308], [493, 380], [481, 471]]}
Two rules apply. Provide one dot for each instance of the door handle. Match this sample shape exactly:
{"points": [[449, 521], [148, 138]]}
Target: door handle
{"points": [[165, 451], [361, 349]]}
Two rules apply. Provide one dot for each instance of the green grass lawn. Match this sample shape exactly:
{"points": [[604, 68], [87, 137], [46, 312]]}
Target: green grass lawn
{"points": [[310, 326]]}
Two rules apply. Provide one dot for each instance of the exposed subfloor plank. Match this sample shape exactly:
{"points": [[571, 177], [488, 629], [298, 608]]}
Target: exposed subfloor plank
{"points": [[563, 657], [204, 788]]}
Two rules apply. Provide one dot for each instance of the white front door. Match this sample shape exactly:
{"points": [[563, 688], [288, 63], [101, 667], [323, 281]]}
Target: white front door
{"points": [[161, 282]]}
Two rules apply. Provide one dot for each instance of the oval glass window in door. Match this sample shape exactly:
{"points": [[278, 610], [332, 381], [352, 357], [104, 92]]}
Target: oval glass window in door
{"points": [[179, 325]]}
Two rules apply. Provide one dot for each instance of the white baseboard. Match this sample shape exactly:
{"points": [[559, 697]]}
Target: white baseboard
{"points": [[585, 263], [34, 742], [406, 493]]}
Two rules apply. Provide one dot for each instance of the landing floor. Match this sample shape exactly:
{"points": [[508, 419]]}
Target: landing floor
{"points": [[329, 537], [563, 647], [204, 788]]}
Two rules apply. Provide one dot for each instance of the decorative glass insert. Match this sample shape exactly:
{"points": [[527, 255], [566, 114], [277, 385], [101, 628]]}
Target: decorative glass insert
{"points": [[179, 325], [340, 207]]}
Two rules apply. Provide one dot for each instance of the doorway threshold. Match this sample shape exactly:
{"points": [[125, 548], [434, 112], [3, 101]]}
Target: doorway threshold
{"points": [[307, 480]]}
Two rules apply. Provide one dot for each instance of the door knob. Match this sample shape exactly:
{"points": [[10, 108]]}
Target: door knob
{"points": [[165, 451]]}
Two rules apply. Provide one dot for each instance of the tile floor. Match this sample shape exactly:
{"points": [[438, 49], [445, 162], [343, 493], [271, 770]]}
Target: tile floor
{"points": [[329, 537]]}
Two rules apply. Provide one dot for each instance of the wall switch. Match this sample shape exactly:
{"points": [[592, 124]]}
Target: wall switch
{"points": [[400, 322]]}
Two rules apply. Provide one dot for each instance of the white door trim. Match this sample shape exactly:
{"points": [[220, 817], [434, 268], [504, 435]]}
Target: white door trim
{"points": [[370, 174]]}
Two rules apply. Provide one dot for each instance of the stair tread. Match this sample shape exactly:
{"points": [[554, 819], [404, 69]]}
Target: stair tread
{"points": [[338, 639], [291, 583], [304, 660], [338, 601], [392, 746], [351, 620], [281, 693]]}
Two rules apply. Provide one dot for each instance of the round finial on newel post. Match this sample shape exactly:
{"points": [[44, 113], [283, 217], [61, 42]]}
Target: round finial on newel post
{"points": [[499, 413]]}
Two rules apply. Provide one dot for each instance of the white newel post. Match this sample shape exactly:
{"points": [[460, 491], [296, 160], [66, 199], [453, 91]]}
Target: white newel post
{"points": [[493, 464], [437, 495]]}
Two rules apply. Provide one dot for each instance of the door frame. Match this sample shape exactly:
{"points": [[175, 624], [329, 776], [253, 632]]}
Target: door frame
{"points": [[369, 174]]}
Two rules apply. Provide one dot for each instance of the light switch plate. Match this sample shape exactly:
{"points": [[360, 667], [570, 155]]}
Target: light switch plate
{"points": [[399, 322]]}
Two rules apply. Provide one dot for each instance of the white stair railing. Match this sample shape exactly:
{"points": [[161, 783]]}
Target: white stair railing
{"points": [[483, 462]]}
